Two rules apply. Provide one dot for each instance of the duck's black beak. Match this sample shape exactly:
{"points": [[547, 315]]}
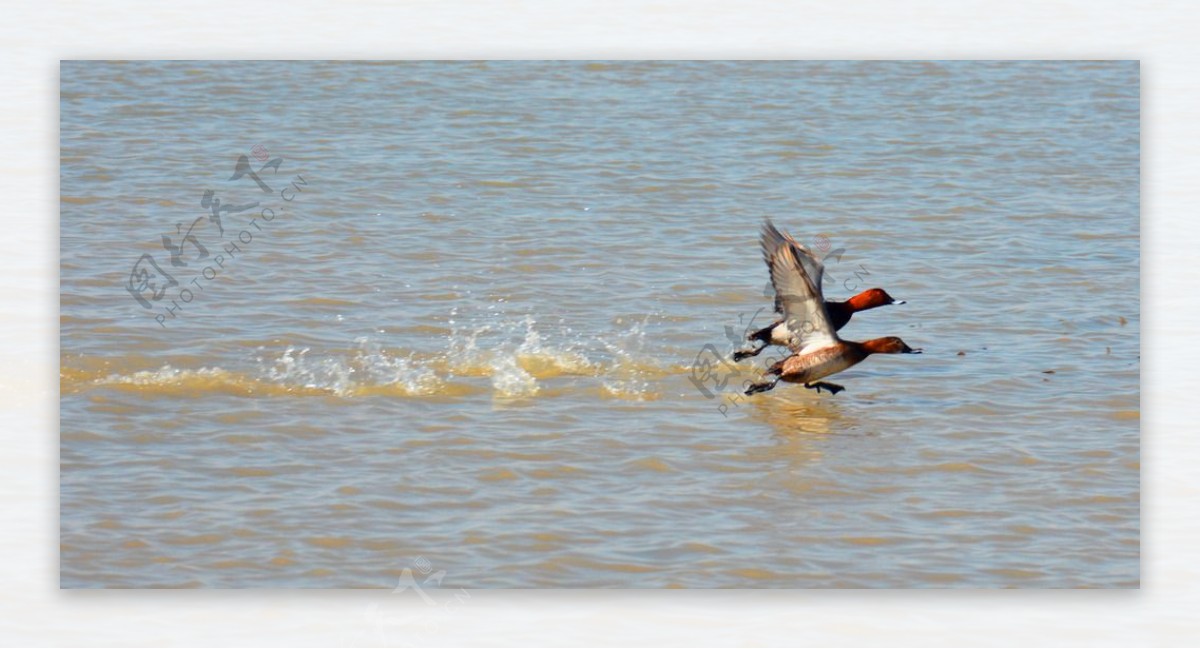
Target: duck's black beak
{"points": [[910, 350], [899, 301]]}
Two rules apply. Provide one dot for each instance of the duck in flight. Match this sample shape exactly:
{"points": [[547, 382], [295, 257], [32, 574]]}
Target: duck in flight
{"points": [[809, 328], [778, 333]]}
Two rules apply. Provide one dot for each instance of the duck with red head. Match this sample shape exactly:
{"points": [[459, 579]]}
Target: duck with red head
{"points": [[818, 352], [810, 367], [888, 345], [778, 333], [872, 298]]}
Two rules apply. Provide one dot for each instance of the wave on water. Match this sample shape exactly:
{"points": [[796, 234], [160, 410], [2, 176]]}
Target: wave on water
{"points": [[509, 360]]}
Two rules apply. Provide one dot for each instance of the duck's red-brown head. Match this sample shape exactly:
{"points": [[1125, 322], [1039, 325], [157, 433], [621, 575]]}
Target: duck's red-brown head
{"points": [[871, 298], [889, 345]]}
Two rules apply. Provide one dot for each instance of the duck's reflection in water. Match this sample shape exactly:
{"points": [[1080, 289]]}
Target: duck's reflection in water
{"points": [[792, 413], [800, 425], [804, 437]]}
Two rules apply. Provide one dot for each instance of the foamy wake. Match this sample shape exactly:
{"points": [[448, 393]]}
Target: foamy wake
{"points": [[370, 366], [514, 358], [627, 376]]}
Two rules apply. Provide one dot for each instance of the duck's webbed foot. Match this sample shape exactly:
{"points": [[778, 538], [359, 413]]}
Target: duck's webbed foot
{"points": [[743, 354], [832, 387], [761, 387]]}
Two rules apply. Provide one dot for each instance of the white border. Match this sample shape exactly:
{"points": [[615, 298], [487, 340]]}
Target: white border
{"points": [[36, 35]]}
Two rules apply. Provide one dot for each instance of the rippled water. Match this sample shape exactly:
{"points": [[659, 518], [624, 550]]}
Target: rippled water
{"points": [[467, 343]]}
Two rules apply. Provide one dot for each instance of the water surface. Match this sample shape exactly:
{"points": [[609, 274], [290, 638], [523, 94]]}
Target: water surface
{"points": [[467, 343]]}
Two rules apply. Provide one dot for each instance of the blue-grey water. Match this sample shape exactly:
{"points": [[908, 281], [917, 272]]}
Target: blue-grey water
{"points": [[473, 326]]}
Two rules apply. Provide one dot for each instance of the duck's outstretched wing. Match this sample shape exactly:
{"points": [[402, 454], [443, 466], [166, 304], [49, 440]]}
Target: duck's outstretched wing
{"points": [[772, 241], [796, 276]]}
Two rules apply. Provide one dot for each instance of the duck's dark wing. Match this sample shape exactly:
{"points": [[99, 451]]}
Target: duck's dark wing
{"points": [[773, 240], [796, 276]]}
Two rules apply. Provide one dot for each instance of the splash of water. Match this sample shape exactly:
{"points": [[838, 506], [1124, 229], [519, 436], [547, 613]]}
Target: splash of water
{"points": [[370, 367], [515, 357], [629, 376]]}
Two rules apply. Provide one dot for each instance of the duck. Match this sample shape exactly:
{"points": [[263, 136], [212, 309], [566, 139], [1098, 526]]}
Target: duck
{"points": [[777, 333], [817, 351]]}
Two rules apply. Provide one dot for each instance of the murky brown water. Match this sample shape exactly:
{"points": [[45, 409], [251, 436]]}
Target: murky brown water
{"points": [[466, 342]]}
